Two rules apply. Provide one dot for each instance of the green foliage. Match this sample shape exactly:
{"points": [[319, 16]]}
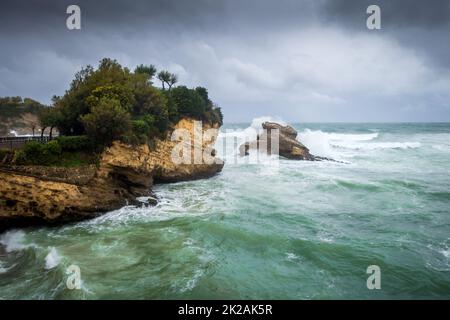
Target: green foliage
{"points": [[76, 159], [140, 127], [140, 133], [189, 102], [35, 153], [49, 117], [107, 122], [150, 71], [164, 77], [13, 107], [51, 148], [110, 103], [213, 116], [172, 109], [193, 103], [86, 91], [51, 154], [167, 78], [144, 130], [74, 143], [121, 93], [151, 102]]}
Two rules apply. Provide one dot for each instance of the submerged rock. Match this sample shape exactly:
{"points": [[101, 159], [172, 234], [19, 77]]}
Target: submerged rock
{"points": [[52, 195]]}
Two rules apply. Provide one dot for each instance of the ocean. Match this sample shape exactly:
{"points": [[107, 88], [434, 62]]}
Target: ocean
{"points": [[271, 229]]}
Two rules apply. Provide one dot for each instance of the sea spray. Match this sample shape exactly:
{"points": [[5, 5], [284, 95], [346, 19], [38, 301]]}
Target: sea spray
{"points": [[52, 259], [13, 240]]}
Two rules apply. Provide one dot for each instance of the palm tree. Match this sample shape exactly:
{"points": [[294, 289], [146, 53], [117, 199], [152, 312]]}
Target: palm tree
{"points": [[164, 77], [172, 80]]}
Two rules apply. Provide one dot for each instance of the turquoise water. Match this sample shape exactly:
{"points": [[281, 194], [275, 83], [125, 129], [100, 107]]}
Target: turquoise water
{"points": [[286, 230]]}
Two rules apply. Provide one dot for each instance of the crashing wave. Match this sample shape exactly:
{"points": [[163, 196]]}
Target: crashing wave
{"points": [[52, 259]]}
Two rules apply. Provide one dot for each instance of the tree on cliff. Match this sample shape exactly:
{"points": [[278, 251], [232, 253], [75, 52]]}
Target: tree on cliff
{"points": [[164, 77], [196, 103], [146, 110], [150, 101], [167, 78], [48, 118], [172, 80], [77, 101], [106, 122], [150, 71], [188, 101]]}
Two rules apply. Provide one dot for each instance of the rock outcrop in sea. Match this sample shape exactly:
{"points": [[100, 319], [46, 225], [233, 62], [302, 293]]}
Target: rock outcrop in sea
{"points": [[31, 194], [288, 145]]}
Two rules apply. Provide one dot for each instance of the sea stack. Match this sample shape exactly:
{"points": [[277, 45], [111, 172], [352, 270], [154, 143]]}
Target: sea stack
{"points": [[289, 147]]}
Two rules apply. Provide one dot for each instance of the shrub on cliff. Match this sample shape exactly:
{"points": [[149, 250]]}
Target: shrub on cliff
{"points": [[188, 101], [35, 153], [74, 143], [195, 103], [151, 102]]}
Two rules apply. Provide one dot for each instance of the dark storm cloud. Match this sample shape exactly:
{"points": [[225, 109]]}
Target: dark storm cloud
{"points": [[312, 59], [418, 24], [164, 14], [403, 13]]}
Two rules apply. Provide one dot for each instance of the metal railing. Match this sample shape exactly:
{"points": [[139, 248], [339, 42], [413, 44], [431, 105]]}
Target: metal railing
{"points": [[17, 142]]}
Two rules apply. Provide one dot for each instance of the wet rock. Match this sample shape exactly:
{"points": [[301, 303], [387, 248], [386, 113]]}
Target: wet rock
{"points": [[31, 195], [288, 145]]}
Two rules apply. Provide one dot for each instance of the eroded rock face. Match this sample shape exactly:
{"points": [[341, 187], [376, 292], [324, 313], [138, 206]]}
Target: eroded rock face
{"points": [[159, 160], [29, 199], [43, 194], [288, 146]]}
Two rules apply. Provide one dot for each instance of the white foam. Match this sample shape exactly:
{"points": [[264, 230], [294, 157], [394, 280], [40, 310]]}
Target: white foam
{"points": [[378, 145], [250, 133], [229, 141], [291, 256], [317, 142], [192, 283], [52, 259], [14, 132], [2, 268], [13, 240], [446, 253], [329, 144]]}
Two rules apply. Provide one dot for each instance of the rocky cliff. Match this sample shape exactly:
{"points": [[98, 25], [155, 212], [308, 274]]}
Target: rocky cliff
{"points": [[45, 194]]}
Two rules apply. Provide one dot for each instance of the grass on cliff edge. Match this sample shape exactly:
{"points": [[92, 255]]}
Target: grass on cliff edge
{"points": [[76, 159], [56, 153], [65, 159]]}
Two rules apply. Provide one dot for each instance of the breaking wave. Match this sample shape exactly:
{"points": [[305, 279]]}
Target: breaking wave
{"points": [[328, 144], [320, 143], [52, 259], [13, 240]]}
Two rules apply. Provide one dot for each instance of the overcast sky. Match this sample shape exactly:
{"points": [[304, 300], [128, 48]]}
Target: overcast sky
{"points": [[302, 61]]}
